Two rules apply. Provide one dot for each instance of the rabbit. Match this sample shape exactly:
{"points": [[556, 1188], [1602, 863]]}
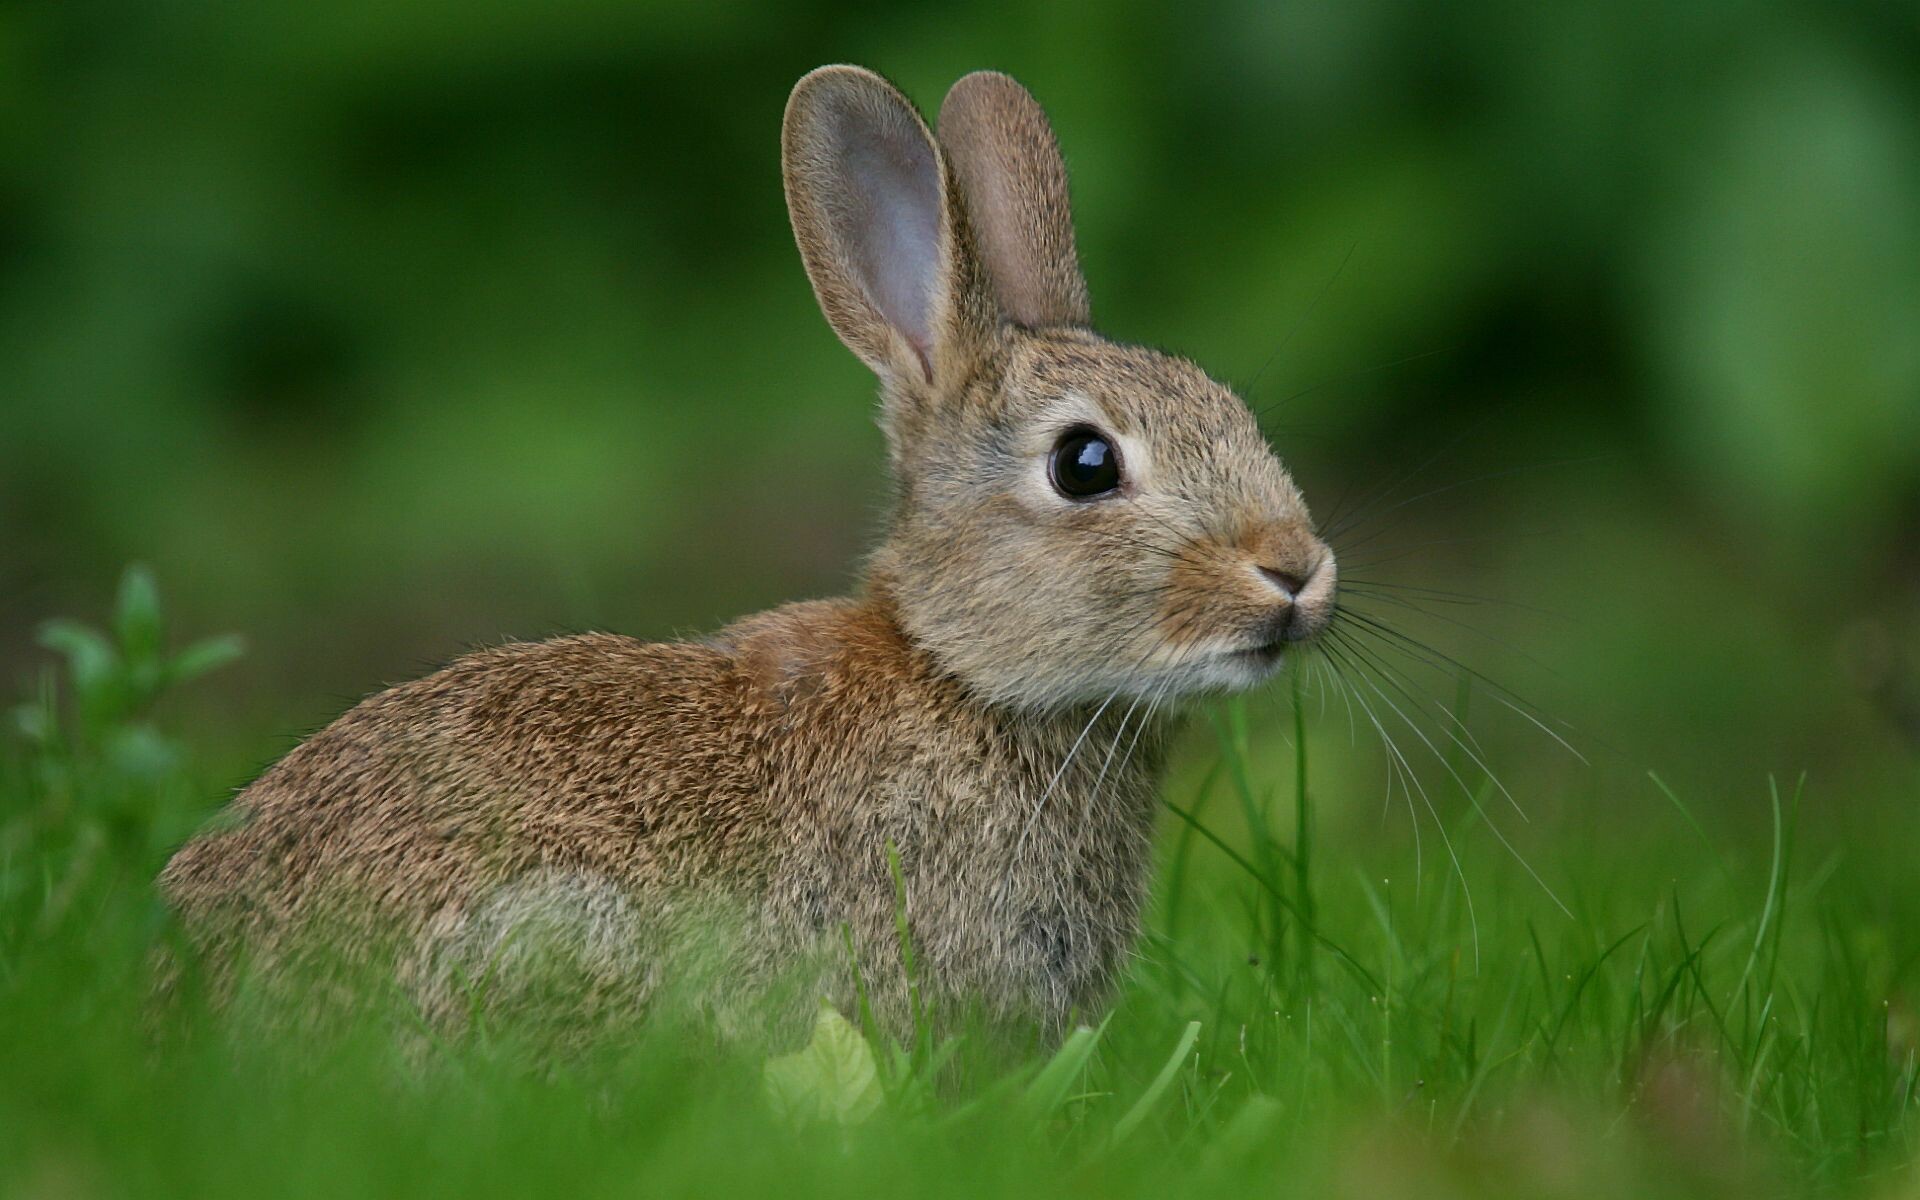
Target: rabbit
{"points": [[1083, 535]]}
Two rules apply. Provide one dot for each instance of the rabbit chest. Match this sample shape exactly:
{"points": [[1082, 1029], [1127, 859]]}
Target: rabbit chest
{"points": [[1022, 842]]}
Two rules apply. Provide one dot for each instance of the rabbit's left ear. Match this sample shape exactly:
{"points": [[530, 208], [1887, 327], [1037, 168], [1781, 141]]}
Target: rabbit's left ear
{"points": [[1007, 165], [880, 234]]}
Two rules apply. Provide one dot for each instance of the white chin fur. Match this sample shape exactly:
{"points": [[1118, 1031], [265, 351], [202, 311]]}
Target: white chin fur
{"points": [[1199, 675], [1238, 672], [1213, 673]]}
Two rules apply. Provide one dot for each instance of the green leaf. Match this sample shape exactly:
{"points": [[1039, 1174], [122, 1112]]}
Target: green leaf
{"points": [[92, 662], [141, 752], [203, 656], [833, 1078]]}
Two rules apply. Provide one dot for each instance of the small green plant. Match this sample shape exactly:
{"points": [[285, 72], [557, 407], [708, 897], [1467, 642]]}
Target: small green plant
{"points": [[111, 680], [104, 786]]}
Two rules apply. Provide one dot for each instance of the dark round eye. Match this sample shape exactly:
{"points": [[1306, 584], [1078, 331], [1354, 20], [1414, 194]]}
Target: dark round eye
{"points": [[1084, 465]]}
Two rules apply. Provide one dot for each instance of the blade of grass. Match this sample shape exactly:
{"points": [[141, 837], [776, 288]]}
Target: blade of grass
{"points": [[1144, 1106]]}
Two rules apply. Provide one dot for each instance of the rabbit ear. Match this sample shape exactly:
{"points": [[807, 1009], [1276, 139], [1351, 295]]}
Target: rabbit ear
{"points": [[867, 191], [1008, 167]]}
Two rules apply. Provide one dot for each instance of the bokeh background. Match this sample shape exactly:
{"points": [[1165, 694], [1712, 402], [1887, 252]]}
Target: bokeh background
{"points": [[381, 330]]}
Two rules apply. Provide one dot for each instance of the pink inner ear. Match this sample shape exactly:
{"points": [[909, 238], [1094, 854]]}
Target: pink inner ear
{"points": [[895, 232]]}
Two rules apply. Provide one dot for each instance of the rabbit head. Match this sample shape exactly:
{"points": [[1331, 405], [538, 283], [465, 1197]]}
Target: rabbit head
{"points": [[1074, 518]]}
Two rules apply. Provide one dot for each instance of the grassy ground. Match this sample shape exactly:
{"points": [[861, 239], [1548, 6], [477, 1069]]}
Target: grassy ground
{"points": [[1628, 995]]}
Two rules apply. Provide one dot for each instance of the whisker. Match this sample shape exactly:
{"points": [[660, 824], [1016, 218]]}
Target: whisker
{"points": [[1499, 692], [1410, 784], [1041, 804], [1387, 555], [1441, 596], [1118, 734], [1153, 706], [1339, 690], [1500, 643], [1344, 690], [1471, 797], [1404, 684]]}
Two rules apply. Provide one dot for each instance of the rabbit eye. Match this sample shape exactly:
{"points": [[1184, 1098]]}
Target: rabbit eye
{"points": [[1084, 465]]}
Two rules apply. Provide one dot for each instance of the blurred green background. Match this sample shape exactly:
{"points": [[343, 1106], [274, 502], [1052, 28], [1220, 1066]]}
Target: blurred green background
{"points": [[385, 329]]}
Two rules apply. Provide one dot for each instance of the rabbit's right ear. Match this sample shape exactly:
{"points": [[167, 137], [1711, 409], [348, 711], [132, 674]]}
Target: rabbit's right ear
{"points": [[868, 193], [1007, 165]]}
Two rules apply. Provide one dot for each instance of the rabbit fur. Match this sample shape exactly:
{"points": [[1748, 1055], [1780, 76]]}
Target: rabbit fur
{"points": [[993, 707]]}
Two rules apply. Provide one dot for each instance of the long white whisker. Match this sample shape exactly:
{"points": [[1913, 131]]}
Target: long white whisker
{"points": [[1041, 804], [1418, 651], [1411, 693], [1409, 777], [1471, 798], [1153, 706], [1119, 733]]}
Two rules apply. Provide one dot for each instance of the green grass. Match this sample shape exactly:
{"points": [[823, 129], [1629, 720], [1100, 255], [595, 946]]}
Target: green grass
{"points": [[1313, 1011]]}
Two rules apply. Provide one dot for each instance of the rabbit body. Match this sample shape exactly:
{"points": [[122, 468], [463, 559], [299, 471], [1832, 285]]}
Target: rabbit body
{"points": [[616, 783], [1082, 534]]}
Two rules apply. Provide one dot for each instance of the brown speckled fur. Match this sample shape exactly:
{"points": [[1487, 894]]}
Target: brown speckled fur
{"points": [[710, 816]]}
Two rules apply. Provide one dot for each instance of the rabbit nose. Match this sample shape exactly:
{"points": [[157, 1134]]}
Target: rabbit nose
{"points": [[1289, 584]]}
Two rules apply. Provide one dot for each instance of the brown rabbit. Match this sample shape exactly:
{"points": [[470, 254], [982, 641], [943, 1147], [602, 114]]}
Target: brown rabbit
{"points": [[1082, 532]]}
